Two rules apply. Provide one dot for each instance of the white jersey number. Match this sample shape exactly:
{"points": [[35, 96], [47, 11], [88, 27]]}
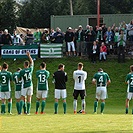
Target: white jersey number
{"points": [[16, 79], [42, 78], [27, 76], [101, 79], [131, 83], [3, 79]]}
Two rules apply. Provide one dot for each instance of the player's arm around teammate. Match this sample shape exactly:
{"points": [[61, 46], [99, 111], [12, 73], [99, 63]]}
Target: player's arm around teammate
{"points": [[60, 79], [101, 80], [42, 76]]}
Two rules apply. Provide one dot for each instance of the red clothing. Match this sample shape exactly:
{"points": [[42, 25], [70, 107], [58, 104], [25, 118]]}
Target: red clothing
{"points": [[103, 49]]}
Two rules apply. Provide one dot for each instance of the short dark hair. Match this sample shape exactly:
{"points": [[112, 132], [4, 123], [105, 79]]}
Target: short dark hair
{"points": [[60, 66], [80, 64], [5, 65], [18, 69], [26, 63], [131, 67], [100, 69], [43, 64]]}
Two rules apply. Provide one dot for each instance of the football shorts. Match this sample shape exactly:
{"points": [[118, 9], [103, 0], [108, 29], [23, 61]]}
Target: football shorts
{"points": [[42, 94], [27, 91], [60, 93], [101, 93]]}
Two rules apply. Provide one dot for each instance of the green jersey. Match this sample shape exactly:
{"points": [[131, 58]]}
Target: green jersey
{"points": [[37, 36], [17, 81], [5, 78], [129, 80], [26, 76], [42, 79], [101, 79]]}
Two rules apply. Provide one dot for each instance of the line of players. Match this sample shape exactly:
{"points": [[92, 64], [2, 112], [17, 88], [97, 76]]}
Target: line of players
{"points": [[24, 87]]}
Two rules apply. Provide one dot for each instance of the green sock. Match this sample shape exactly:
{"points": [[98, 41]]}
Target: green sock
{"points": [[102, 106], [37, 105], [24, 107], [3, 108], [28, 107], [9, 107], [18, 106], [21, 106], [56, 107], [126, 110], [132, 111], [95, 106], [64, 106], [43, 106]]}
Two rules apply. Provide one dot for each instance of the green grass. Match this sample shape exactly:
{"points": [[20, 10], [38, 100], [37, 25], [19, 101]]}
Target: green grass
{"points": [[113, 120], [69, 123]]}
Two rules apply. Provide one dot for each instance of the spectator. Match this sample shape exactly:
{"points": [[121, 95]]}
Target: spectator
{"points": [[94, 52], [16, 38], [75, 40], [130, 31], [29, 38], [58, 36], [45, 36], [90, 36], [69, 38], [6, 38], [116, 34], [96, 28], [1, 32], [100, 34], [108, 40], [80, 41], [66, 48], [37, 36], [104, 29], [87, 39], [22, 41], [121, 46], [51, 35], [103, 52]]}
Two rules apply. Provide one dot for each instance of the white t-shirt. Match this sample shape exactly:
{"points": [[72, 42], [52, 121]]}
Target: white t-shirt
{"points": [[79, 76], [16, 39]]}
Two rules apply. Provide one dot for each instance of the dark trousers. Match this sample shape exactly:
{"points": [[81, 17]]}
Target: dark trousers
{"points": [[88, 48], [121, 54], [93, 58]]}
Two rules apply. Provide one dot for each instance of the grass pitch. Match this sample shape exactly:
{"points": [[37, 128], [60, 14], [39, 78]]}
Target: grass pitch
{"points": [[69, 123], [113, 120]]}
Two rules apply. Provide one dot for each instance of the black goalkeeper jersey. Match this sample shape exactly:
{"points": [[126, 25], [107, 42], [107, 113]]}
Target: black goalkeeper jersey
{"points": [[60, 78]]}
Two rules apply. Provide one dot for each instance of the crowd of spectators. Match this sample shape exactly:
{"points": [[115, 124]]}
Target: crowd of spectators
{"points": [[92, 42]]}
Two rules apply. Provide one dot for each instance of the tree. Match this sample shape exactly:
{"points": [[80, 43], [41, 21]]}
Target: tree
{"points": [[36, 13], [7, 15]]}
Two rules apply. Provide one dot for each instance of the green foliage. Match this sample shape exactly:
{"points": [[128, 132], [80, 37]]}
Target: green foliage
{"points": [[7, 14], [36, 13]]}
